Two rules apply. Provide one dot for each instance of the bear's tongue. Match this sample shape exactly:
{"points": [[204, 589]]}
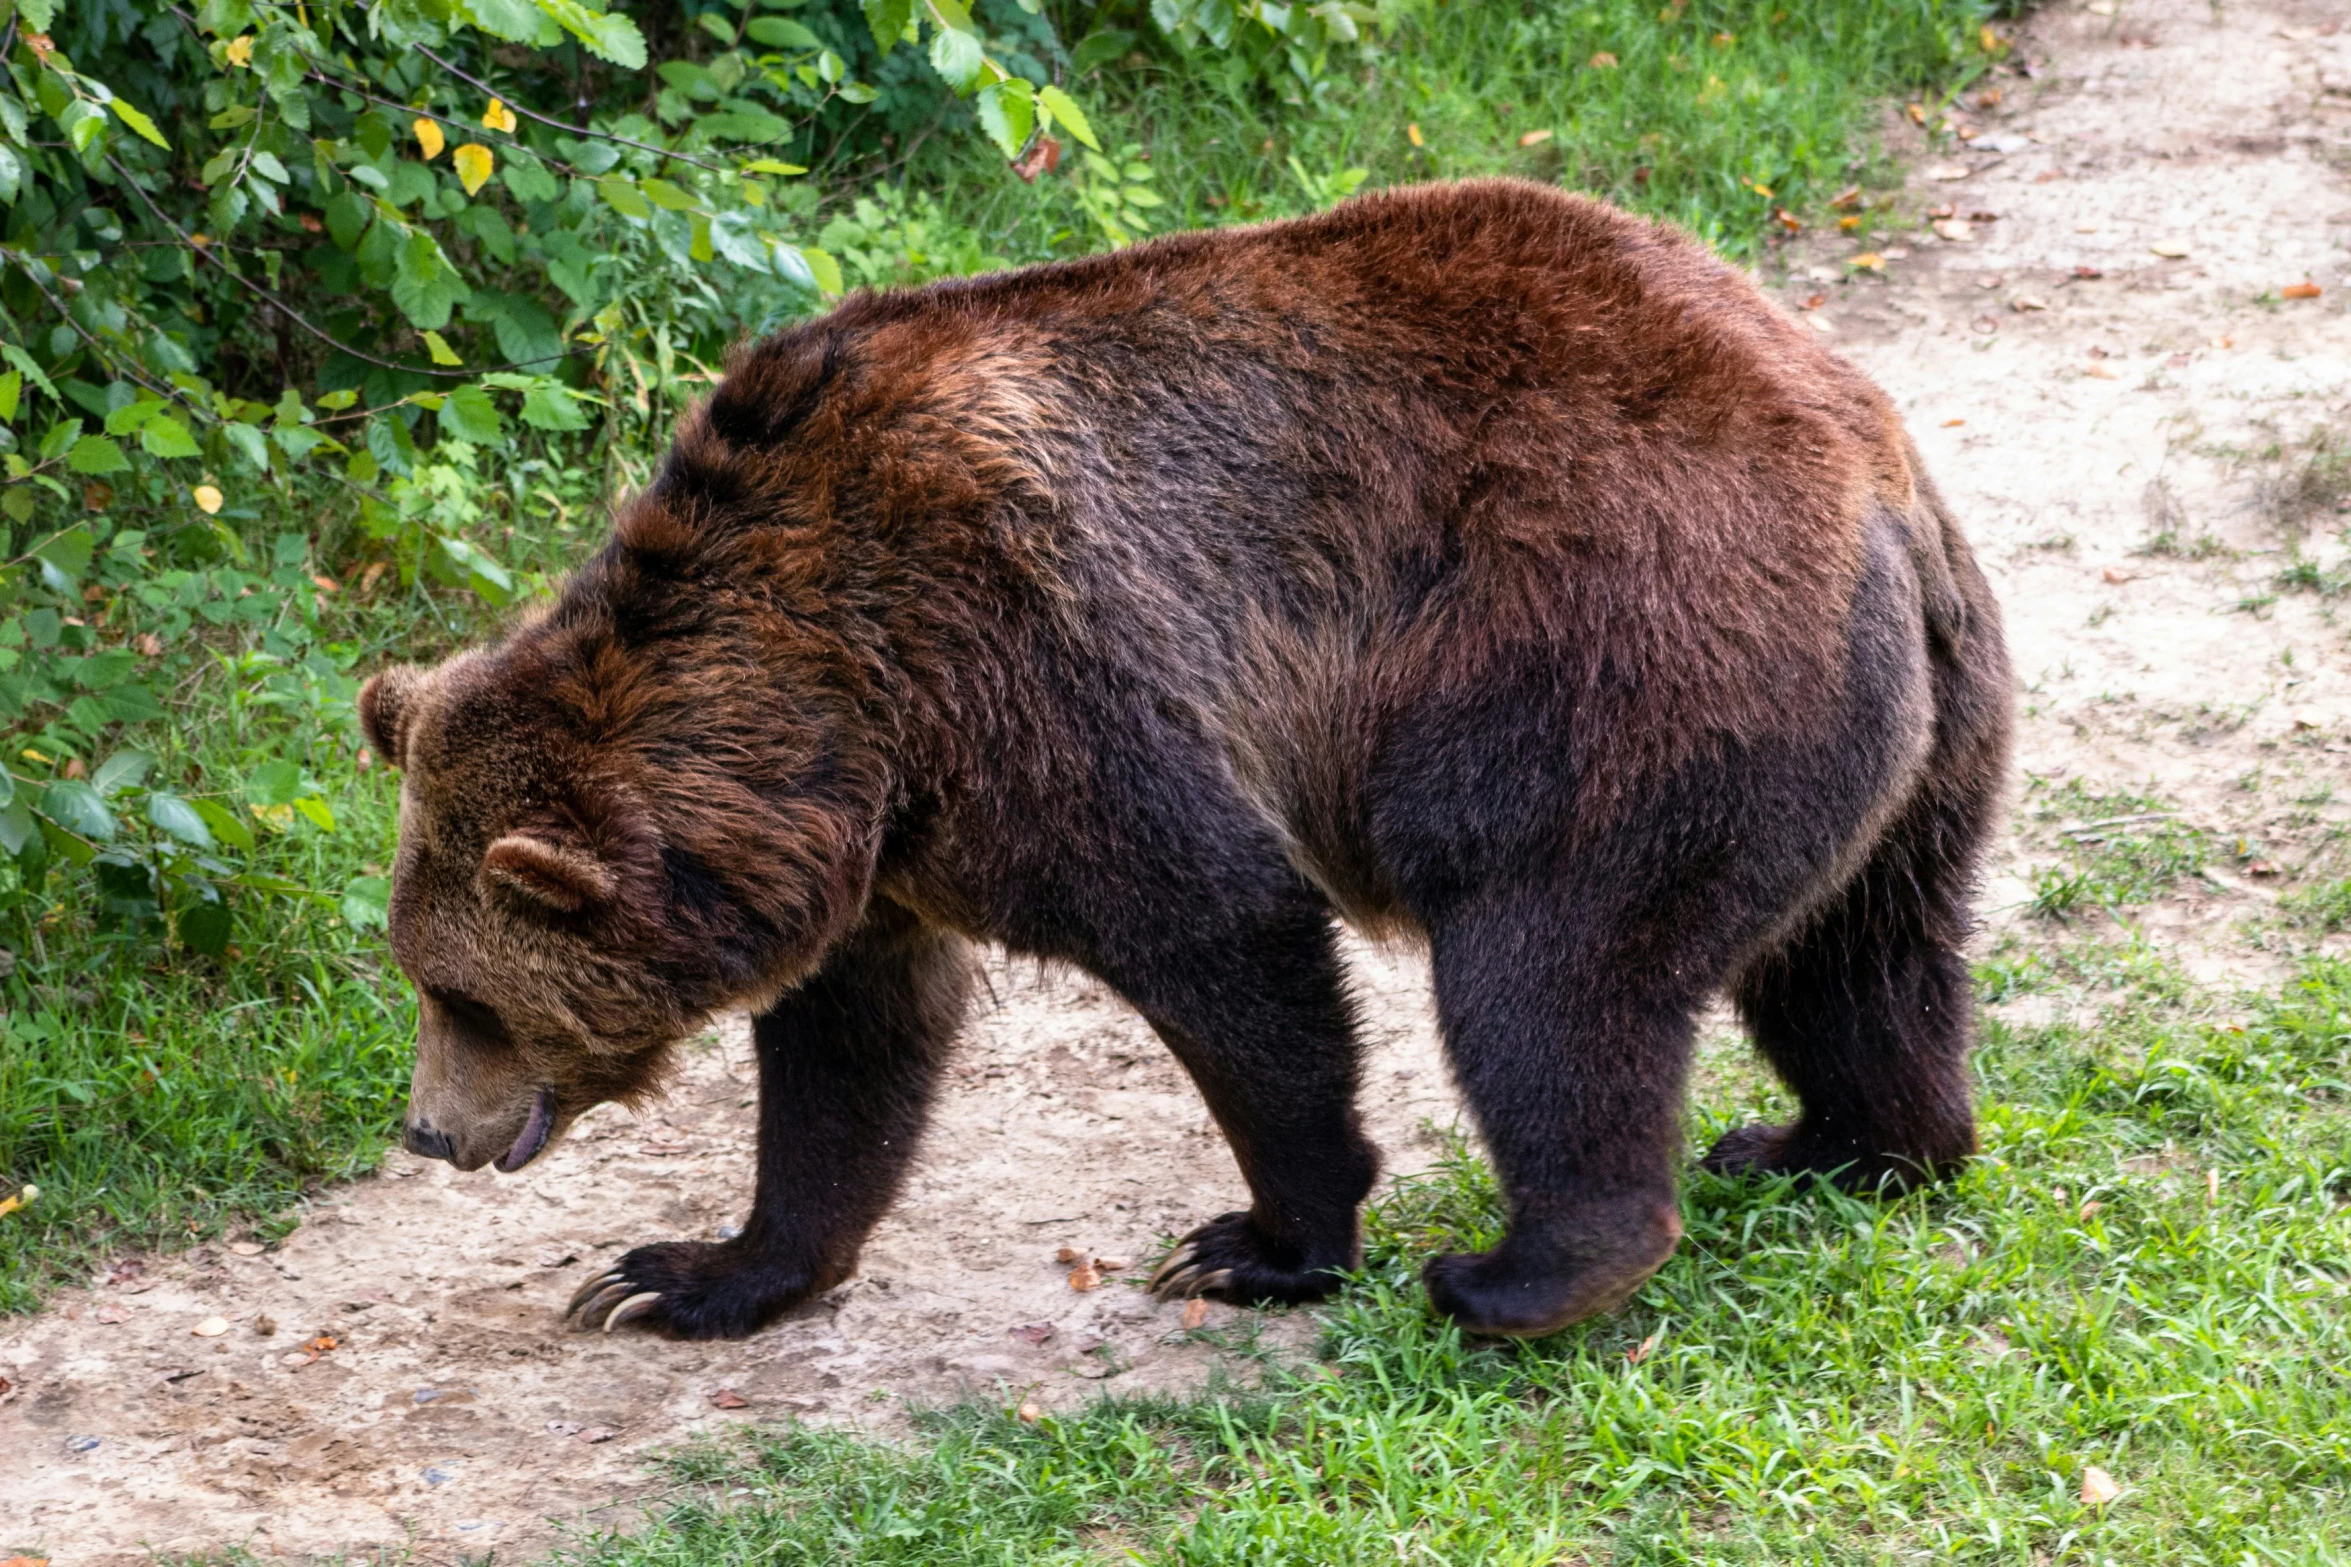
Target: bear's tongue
{"points": [[534, 1134]]}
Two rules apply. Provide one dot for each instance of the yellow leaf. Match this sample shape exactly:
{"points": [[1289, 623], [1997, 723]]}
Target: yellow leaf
{"points": [[22, 1199], [1869, 260], [498, 117], [207, 497], [1534, 138], [429, 137], [474, 163], [1412, 135], [434, 343], [239, 51]]}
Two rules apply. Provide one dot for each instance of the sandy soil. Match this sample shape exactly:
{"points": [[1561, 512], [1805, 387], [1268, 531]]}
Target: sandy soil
{"points": [[453, 1414]]}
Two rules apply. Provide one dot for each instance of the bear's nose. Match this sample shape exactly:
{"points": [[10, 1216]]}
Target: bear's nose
{"points": [[429, 1141]]}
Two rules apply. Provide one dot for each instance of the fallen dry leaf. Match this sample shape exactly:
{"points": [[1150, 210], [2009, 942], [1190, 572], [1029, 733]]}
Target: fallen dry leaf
{"points": [[1113, 1264], [1603, 61], [246, 1248], [1033, 1332], [109, 1312], [2224, 342], [2300, 291], [321, 1344], [1867, 261], [1195, 1312], [1641, 1351], [1069, 1255], [2262, 868], [1956, 230], [210, 1327], [2212, 1186], [2088, 274], [1947, 172], [1534, 138], [2170, 249], [728, 1398], [295, 1360], [2089, 1208], [26, 1561], [1083, 1278], [595, 1434], [2098, 1487], [1030, 1414], [1945, 210], [1850, 223], [2025, 302], [1813, 301], [1953, 424], [1847, 199], [1043, 158], [2118, 576], [2099, 373]]}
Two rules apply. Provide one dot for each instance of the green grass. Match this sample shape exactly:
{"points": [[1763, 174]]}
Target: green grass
{"points": [[2146, 1273]]}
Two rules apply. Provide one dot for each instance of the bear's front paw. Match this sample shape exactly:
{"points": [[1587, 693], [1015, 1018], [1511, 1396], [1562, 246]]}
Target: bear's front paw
{"points": [[1229, 1258], [691, 1289]]}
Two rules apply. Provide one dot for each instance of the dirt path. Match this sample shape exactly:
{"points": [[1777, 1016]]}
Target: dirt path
{"points": [[453, 1414]]}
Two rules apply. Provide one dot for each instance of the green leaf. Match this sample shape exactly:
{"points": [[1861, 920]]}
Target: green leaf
{"points": [[164, 436], [957, 57], [97, 454], [316, 810], [607, 35], [826, 270], [1007, 113], [11, 388], [439, 348], [621, 196], [551, 406], [274, 783], [225, 824], [75, 806], [426, 287], [40, 14], [24, 361], [177, 818], [771, 166], [782, 33], [131, 704], [204, 928], [127, 419], [138, 121], [888, 19], [17, 828], [69, 551], [516, 21], [249, 443], [1063, 110], [663, 194], [367, 903], [123, 770], [470, 415]]}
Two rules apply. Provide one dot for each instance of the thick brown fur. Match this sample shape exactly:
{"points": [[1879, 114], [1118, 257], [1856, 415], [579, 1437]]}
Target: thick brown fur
{"points": [[1471, 562]]}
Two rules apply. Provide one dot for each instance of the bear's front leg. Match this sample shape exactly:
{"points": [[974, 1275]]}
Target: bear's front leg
{"points": [[847, 1064]]}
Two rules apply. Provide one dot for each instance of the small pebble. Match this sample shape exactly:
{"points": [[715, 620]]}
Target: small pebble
{"points": [[210, 1327], [264, 1325], [439, 1476], [81, 1444]]}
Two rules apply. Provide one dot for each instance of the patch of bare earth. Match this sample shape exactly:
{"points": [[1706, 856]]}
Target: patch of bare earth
{"points": [[2103, 437]]}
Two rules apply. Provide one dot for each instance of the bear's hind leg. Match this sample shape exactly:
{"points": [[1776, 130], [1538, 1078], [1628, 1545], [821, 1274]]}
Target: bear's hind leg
{"points": [[1569, 1033], [847, 1064], [1865, 1014]]}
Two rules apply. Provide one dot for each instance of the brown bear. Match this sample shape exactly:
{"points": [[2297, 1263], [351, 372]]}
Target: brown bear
{"points": [[1473, 563]]}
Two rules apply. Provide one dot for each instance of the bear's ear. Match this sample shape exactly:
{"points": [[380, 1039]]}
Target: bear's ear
{"points": [[553, 875], [383, 711]]}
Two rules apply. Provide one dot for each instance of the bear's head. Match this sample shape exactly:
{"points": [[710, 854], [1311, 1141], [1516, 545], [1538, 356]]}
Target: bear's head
{"points": [[600, 846]]}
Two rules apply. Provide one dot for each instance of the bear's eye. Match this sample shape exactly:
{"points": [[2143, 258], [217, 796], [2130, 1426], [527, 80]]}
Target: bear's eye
{"points": [[475, 1017]]}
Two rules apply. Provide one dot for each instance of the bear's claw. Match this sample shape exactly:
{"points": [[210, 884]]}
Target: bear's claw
{"points": [[590, 1300], [1229, 1258], [635, 1306]]}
